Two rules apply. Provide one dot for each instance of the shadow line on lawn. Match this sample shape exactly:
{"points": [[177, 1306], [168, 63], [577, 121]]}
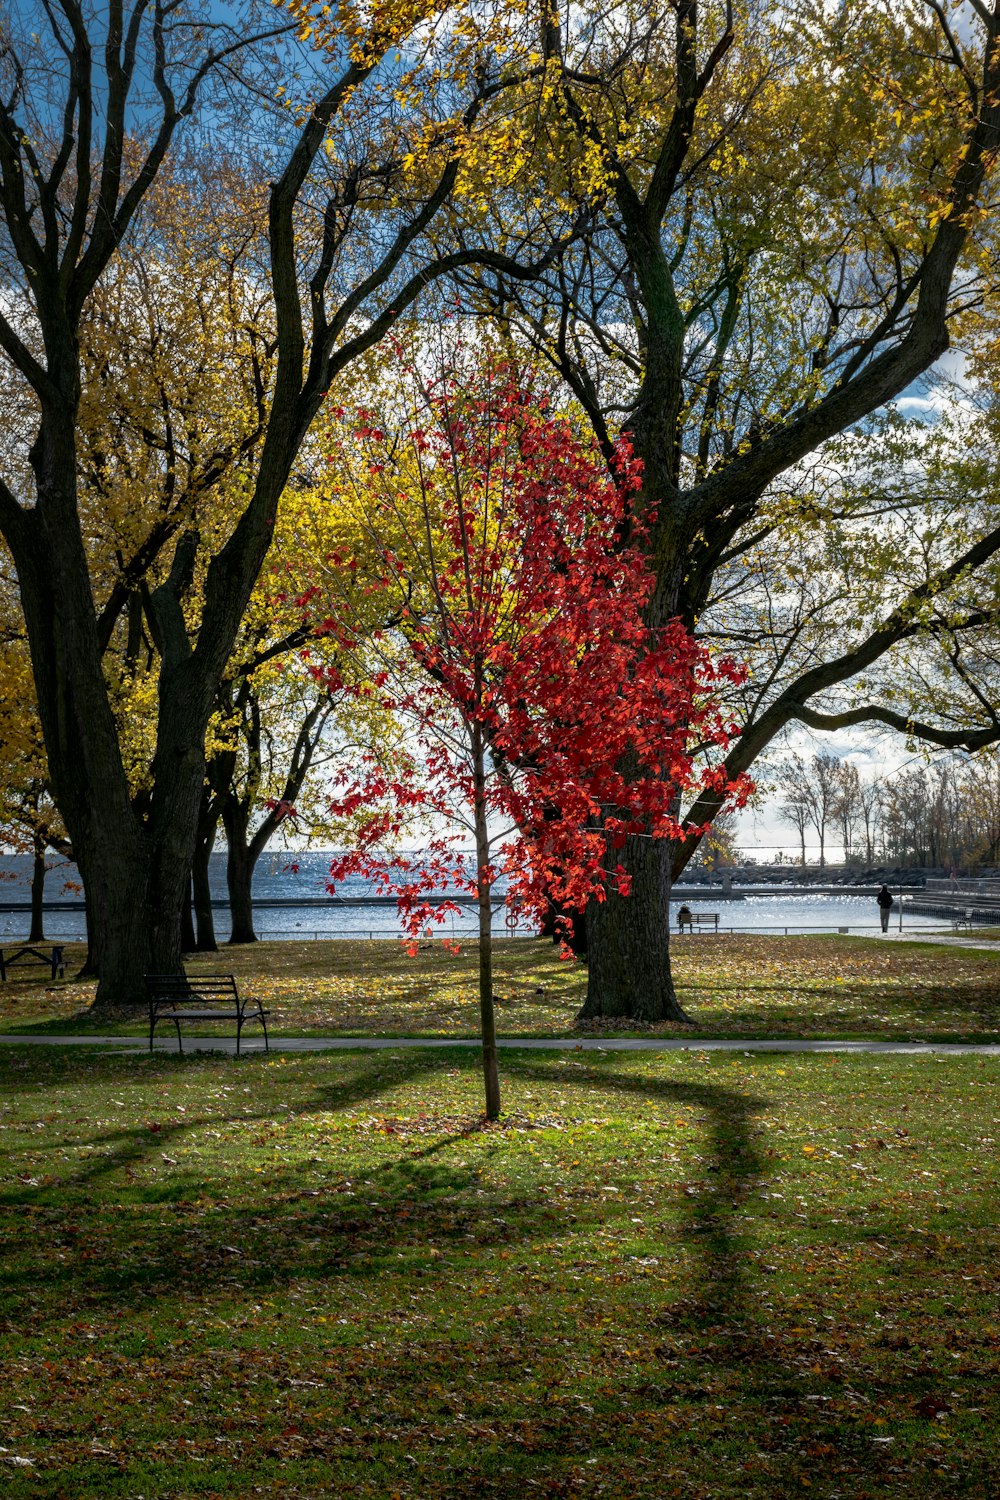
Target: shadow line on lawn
{"points": [[410, 1201]]}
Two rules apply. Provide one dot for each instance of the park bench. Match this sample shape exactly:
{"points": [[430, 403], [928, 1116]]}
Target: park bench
{"points": [[176, 998], [963, 920], [694, 921], [52, 959]]}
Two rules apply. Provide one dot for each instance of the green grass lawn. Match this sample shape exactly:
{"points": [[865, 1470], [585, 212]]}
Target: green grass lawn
{"points": [[688, 1275], [741, 986]]}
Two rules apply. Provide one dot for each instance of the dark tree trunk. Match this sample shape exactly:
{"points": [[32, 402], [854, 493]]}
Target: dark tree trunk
{"points": [[628, 966], [205, 940], [240, 864], [88, 969], [89, 781], [187, 920], [37, 932], [628, 937]]}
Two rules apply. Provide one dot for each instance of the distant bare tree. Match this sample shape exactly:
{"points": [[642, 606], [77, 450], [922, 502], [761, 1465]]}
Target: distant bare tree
{"points": [[793, 783], [905, 822], [848, 805], [942, 816], [978, 806], [870, 814], [810, 791]]}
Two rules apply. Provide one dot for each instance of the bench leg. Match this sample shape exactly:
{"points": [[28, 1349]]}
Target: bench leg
{"points": [[180, 1044], [267, 1045]]}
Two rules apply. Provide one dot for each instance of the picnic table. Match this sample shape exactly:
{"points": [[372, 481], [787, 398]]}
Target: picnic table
{"points": [[52, 958]]}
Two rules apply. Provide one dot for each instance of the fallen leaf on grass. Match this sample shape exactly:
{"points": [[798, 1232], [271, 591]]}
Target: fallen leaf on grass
{"points": [[931, 1407]]}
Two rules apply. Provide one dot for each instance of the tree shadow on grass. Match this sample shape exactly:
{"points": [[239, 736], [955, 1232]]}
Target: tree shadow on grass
{"points": [[709, 1207], [215, 1233], [77, 1258], [313, 1229], [129, 1147]]}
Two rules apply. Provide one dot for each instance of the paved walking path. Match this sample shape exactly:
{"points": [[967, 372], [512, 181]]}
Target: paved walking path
{"points": [[551, 1043], [947, 939], [541, 1043]]}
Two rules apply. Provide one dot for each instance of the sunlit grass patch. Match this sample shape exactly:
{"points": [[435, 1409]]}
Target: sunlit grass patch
{"points": [[737, 986]]}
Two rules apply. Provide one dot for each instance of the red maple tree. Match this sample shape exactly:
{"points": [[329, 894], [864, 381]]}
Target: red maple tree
{"points": [[546, 720]]}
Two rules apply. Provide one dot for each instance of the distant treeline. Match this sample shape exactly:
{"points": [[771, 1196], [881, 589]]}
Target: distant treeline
{"points": [[945, 814]]}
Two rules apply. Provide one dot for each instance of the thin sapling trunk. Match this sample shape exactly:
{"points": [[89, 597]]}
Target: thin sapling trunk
{"points": [[487, 1014]]}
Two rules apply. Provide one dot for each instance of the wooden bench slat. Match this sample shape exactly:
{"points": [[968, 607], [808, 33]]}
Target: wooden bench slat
{"points": [[210, 1015]]}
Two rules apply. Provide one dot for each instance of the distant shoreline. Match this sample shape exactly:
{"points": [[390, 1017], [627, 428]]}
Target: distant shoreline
{"points": [[678, 893]]}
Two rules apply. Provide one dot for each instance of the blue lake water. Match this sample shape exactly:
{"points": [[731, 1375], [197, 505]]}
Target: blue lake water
{"points": [[276, 880]]}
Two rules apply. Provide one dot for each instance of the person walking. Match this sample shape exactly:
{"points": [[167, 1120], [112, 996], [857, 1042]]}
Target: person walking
{"points": [[885, 905]]}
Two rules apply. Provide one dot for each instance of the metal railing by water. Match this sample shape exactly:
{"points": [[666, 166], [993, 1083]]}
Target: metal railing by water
{"points": [[962, 885], [785, 929]]}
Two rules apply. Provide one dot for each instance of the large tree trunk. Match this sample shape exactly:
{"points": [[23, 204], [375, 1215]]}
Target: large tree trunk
{"points": [[37, 930], [628, 964], [135, 873], [88, 969], [240, 863], [187, 692], [628, 937], [89, 781]]}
